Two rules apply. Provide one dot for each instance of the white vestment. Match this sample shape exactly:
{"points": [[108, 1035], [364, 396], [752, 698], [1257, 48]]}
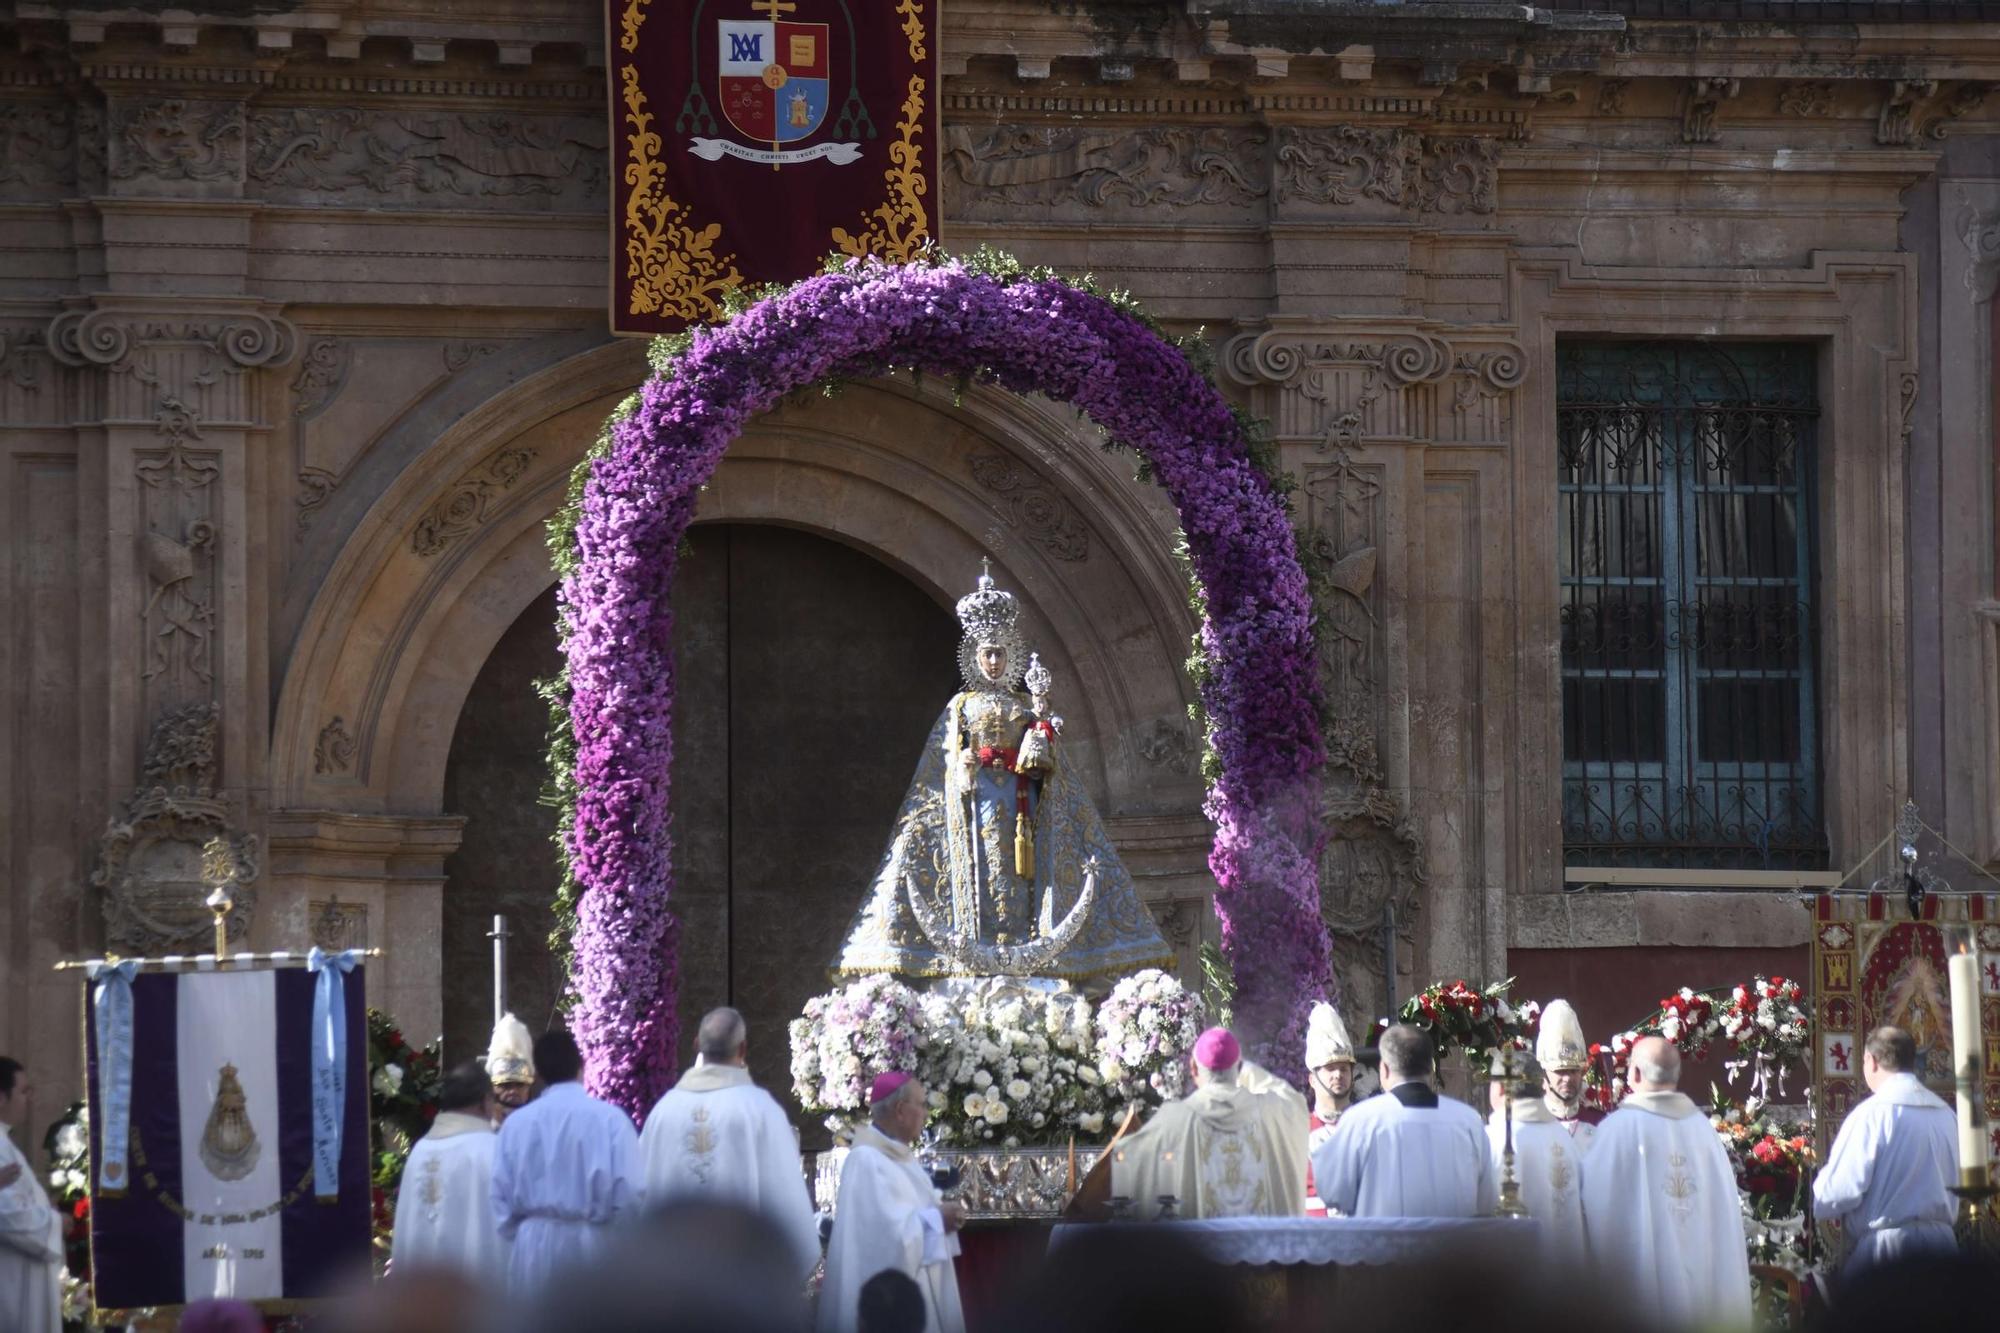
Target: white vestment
{"points": [[31, 1250], [444, 1208], [1661, 1210], [1220, 1151], [717, 1136], [1548, 1164], [1889, 1170], [886, 1216], [566, 1168], [1388, 1159]]}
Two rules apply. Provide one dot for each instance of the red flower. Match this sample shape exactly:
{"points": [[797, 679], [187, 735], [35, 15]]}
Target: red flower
{"points": [[81, 1208], [395, 1038]]}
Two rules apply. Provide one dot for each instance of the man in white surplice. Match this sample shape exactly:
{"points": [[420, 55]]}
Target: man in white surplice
{"points": [[1893, 1161], [889, 1215], [716, 1136], [444, 1209], [1660, 1207], [566, 1168], [31, 1243], [1409, 1152]]}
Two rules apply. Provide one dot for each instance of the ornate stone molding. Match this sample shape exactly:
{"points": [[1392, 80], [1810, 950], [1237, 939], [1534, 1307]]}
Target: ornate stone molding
{"points": [[316, 486], [109, 335], [1028, 502], [320, 153], [1160, 166], [171, 839], [1807, 100], [38, 144], [1348, 164], [1896, 122], [179, 521], [463, 507]]}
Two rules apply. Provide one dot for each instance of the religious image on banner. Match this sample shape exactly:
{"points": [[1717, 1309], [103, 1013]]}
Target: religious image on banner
{"points": [[229, 1130], [752, 139], [1873, 966]]}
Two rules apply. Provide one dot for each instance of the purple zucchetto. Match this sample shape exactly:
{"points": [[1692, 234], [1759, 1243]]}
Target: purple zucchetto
{"points": [[885, 1085], [1217, 1048]]}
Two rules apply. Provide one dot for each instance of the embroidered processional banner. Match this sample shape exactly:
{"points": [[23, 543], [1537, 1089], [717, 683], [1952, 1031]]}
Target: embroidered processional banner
{"points": [[751, 139], [228, 1129], [1873, 965]]}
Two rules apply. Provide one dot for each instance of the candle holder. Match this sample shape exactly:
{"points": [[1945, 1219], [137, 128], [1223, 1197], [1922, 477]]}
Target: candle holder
{"points": [[1976, 1226], [1503, 1072]]}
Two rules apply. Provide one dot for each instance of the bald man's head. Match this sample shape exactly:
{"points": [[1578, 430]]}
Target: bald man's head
{"points": [[1655, 1065], [722, 1037]]}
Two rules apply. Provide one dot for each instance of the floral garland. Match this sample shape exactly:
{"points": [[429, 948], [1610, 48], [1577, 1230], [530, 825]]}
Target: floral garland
{"points": [[1004, 1064], [986, 320], [1763, 1024], [1478, 1022]]}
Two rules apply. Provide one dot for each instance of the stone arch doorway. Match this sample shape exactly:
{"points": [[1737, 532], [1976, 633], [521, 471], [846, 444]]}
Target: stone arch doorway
{"points": [[809, 673]]}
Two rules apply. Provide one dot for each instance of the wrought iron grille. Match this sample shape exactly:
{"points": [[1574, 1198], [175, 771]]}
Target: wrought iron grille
{"points": [[1686, 485]]}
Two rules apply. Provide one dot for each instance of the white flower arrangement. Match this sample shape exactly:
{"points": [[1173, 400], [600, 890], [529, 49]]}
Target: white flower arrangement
{"points": [[1145, 1028]]}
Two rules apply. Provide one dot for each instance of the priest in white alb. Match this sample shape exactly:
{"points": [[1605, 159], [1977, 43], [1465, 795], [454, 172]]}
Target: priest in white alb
{"points": [[31, 1239], [1660, 1206], [565, 1170], [1410, 1152], [444, 1208], [1220, 1151], [1888, 1176], [716, 1136], [889, 1215]]}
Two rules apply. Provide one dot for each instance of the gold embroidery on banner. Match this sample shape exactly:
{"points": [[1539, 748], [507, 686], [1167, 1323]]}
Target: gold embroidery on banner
{"points": [[635, 14], [229, 1146], [898, 228], [913, 27], [673, 268]]}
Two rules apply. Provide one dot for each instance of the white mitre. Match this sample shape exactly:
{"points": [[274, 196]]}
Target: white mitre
{"points": [[1326, 1037], [1559, 1043], [510, 1058]]}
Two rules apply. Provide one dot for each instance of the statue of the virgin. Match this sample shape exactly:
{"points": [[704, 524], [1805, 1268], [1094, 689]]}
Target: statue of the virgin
{"points": [[998, 865]]}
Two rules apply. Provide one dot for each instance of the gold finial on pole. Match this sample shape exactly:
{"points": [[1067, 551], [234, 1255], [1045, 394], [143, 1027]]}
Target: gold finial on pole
{"points": [[218, 868], [1503, 1073]]}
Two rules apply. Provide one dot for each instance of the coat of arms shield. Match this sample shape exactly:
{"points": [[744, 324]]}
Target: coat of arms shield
{"points": [[773, 77]]}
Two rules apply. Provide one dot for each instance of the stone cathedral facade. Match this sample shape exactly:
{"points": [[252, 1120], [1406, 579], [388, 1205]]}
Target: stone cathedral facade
{"points": [[1635, 372]]}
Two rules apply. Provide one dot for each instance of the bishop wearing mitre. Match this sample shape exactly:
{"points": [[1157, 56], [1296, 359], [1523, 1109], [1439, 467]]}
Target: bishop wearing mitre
{"points": [[718, 1137], [1221, 1151], [1660, 1204], [510, 1064], [888, 1215], [444, 1209], [1564, 1057]]}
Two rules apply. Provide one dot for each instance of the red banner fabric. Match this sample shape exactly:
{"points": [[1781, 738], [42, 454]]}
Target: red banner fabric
{"points": [[751, 139]]}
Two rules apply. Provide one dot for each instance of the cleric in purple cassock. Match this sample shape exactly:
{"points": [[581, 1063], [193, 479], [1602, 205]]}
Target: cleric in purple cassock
{"points": [[566, 1169]]}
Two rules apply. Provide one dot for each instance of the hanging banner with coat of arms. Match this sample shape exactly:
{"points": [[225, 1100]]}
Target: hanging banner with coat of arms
{"points": [[753, 138]]}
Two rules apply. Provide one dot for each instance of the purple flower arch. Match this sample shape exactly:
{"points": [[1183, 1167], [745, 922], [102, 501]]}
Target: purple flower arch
{"points": [[1028, 333]]}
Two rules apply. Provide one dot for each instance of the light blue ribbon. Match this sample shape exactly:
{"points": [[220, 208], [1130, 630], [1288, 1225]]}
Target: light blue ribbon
{"points": [[329, 1064], [112, 1000]]}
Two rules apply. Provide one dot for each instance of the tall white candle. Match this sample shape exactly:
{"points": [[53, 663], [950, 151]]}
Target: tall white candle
{"points": [[1968, 1046]]}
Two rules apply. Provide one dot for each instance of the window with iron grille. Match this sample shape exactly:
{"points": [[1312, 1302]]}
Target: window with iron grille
{"points": [[1686, 514]]}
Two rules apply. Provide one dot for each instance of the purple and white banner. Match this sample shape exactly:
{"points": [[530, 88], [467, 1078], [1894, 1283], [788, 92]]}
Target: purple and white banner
{"points": [[222, 1196]]}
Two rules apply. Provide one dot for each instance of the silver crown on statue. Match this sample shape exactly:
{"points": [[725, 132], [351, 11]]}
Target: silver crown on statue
{"points": [[989, 612]]}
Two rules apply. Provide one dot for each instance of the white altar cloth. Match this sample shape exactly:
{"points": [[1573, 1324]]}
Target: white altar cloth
{"points": [[1275, 1241]]}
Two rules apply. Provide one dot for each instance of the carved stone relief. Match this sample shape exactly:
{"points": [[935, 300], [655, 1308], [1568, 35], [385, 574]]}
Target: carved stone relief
{"points": [[161, 854], [1346, 164], [317, 153], [316, 486], [1029, 503], [1386, 386], [1962, 101], [37, 147], [177, 506], [463, 508], [333, 752], [1896, 123], [322, 374], [1700, 102], [200, 359], [177, 140], [1180, 921], [1167, 745], [1611, 97], [1806, 99], [335, 925], [1171, 166], [462, 352]]}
